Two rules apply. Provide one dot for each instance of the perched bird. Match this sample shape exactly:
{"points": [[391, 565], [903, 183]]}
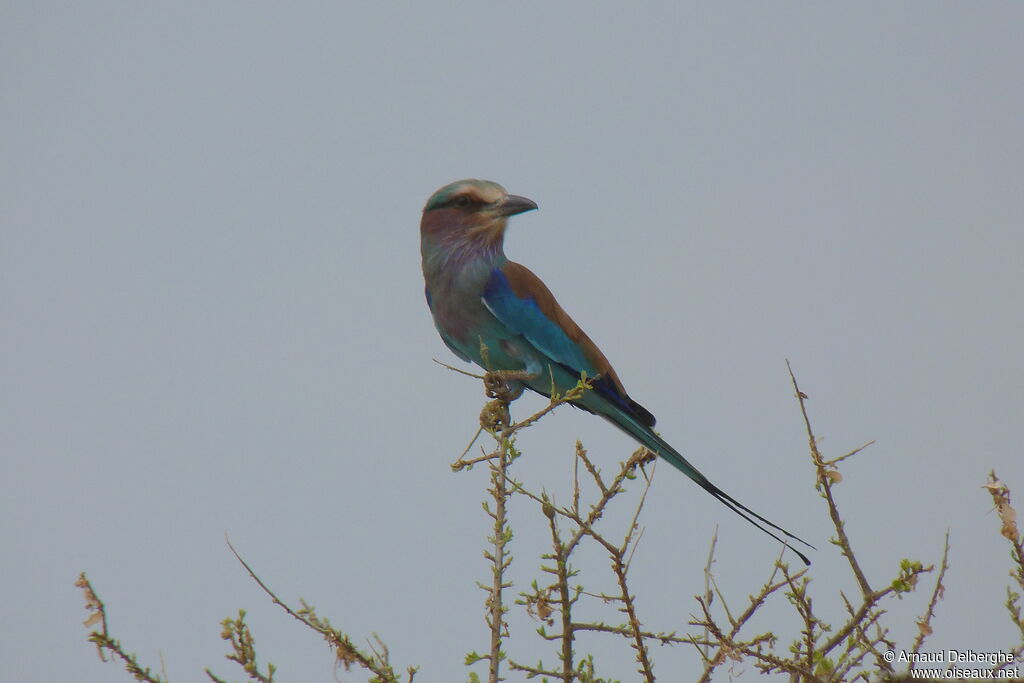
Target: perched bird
{"points": [[479, 298]]}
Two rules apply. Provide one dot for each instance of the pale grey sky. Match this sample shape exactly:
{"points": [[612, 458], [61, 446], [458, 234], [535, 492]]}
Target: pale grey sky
{"points": [[214, 319]]}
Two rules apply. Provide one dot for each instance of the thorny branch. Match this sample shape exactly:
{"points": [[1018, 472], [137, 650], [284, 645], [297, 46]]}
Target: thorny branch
{"points": [[818, 654], [826, 476], [102, 639], [1008, 518], [345, 651]]}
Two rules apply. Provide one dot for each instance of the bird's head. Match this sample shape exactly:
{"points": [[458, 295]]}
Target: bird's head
{"points": [[471, 211]]}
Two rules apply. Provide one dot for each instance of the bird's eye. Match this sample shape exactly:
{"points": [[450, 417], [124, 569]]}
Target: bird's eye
{"points": [[462, 201]]}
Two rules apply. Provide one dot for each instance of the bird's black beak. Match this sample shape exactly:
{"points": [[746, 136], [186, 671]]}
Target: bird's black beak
{"points": [[513, 204]]}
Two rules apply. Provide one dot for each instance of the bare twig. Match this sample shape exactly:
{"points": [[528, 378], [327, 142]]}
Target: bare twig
{"points": [[499, 559], [826, 484], [708, 595], [458, 370], [345, 651], [924, 624], [565, 598]]}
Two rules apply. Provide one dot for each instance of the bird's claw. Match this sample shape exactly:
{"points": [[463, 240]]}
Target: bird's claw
{"points": [[505, 385]]}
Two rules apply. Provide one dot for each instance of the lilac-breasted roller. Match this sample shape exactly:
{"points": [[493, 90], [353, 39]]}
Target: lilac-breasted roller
{"points": [[479, 298]]}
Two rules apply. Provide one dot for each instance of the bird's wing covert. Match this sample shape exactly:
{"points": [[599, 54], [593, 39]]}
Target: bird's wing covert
{"points": [[524, 304]]}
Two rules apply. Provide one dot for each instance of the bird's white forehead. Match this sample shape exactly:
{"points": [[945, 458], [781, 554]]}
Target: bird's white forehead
{"points": [[486, 190]]}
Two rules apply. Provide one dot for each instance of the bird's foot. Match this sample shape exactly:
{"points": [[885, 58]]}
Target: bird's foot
{"points": [[506, 385]]}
